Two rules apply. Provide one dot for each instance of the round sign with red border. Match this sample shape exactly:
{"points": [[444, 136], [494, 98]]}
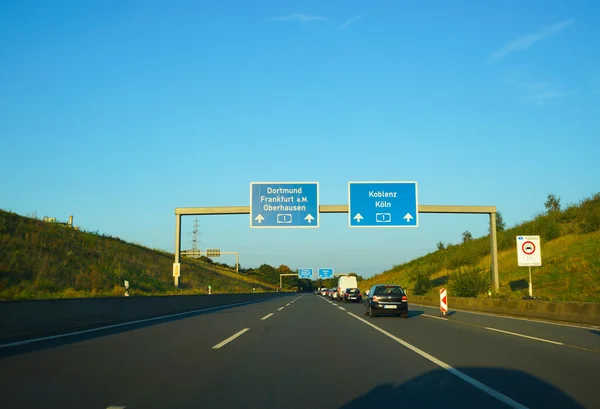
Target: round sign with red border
{"points": [[528, 248]]}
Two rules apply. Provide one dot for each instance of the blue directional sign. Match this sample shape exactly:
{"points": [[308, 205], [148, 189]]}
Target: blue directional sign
{"points": [[326, 273], [305, 273], [284, 204], [383, 204]]}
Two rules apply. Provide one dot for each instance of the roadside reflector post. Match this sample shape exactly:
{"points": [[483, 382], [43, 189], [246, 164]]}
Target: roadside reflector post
{"points": [[176, 273], [443, 301]]}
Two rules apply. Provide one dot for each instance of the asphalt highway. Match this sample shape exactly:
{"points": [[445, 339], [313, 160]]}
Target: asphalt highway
{"points": [[305, 351]]}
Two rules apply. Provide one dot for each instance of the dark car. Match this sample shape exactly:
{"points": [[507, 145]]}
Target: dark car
{"points": [[352, 295], [386, 299]]}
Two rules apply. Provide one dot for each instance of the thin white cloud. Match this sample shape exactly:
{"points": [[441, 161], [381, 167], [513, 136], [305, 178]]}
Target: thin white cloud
{"points": [[528, 40], [539, 92], [350, 21], [299, 17]]}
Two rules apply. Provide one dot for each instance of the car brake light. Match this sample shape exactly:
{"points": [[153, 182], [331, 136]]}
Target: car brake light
{"points": [[404, 298], [375, 298]]}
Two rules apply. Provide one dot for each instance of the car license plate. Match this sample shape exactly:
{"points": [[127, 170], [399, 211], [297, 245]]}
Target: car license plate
{"points": [[353, 298], [389, 306]]}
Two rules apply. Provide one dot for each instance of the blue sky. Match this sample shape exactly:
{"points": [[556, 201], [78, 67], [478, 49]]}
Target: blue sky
{"points": [[119, 111]]}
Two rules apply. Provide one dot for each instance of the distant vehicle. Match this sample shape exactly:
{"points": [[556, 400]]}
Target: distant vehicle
{"points": [[352, 295], [384, 299], [345, 282], [332, 293], [324, 292]]}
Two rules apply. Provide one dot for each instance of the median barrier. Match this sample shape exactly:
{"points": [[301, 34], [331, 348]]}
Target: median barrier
{"points": [[26, 319], [566, 311]]}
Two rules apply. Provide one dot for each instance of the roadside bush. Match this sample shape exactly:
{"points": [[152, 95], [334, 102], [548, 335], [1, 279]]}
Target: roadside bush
{"points": [[590, 222], [469, 282], [422, 284], [551, 230]]}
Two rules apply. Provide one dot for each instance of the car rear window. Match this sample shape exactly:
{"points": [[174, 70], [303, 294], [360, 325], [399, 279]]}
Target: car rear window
{"points": [[389, 290], [353, 290]]}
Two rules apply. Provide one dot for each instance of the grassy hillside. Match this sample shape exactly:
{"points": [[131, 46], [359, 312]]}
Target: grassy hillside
{"points": [[570, 241], [42, 260]]}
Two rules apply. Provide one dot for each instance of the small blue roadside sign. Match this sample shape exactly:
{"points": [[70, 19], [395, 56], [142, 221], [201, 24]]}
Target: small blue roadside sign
{"points": [[383, 204], [284, 204], [305, 273], [326, 273]]}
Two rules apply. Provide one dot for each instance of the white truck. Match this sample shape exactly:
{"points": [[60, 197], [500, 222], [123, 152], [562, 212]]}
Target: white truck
{"points": [[345, 282]]}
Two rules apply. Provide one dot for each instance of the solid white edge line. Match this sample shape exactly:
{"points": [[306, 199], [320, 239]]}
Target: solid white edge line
{"points": [[124, 324], [279, 309], [116, 407], [524, 336], [267, 316], [433, 316], [492, 392], [231, 338], [516, 318], [500, 330]]}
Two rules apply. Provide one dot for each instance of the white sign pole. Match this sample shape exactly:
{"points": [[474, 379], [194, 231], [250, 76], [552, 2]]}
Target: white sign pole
{"points": [[530, 284]]}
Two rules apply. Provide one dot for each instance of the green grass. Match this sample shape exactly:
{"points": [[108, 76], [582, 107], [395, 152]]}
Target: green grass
{"points": [[570, 268], [47, 260]]}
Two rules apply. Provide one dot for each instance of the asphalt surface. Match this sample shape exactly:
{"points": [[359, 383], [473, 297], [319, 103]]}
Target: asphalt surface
{"points": [[312, 353]]}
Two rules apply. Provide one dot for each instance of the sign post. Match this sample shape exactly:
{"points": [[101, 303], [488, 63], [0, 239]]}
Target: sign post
{"points": [[383, 204], [529, 254], [443, 301], [284, 205]]}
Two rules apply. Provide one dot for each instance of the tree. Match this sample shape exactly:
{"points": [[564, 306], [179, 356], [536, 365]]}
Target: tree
{"points": [[467, 236], [440, 245], [283, 269], [269, 273], [552, 203], [358, 277], [500, 224]]}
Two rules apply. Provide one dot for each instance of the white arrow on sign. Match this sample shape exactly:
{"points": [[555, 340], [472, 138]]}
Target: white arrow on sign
{"points": [[309, 218], [358, 217], [259, 219], [408, 217]]}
